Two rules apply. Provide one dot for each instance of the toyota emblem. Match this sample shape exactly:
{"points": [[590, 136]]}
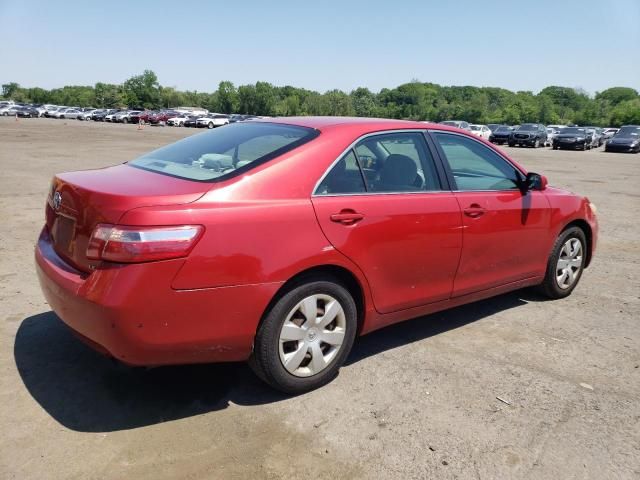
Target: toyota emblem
{"points": [[57, 200]]}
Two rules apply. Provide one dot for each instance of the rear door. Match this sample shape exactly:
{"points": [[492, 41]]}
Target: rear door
{"points": [[505, 231], [383, 205]]}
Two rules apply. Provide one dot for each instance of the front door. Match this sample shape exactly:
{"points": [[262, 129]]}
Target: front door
{"points": [[503, 228]]}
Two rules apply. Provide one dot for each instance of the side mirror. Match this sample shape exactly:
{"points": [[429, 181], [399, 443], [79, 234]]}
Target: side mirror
{"points": [[535, 181]]}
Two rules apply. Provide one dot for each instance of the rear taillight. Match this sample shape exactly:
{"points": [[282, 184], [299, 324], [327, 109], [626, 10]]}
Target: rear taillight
{"points": [[125, 244]]}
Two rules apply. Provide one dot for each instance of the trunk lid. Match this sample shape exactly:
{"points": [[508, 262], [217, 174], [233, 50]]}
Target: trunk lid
{"points": [[78, 201]]}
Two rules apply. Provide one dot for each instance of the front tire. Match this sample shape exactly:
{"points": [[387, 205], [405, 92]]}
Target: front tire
{"points": [[210, 125], [566, 264], [305, 337]]}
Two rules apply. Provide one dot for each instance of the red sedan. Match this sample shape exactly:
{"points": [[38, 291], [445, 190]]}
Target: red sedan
{"points": [[281, 241]]}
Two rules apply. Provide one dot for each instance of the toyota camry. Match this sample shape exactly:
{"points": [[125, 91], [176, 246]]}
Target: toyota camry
{"points": [[281, 241]]}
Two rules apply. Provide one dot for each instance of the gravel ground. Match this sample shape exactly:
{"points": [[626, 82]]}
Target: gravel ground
{"points": [[416, 400]]}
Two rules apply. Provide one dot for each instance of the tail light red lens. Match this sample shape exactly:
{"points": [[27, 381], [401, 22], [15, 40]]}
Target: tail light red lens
{"points": [[124, 244]]}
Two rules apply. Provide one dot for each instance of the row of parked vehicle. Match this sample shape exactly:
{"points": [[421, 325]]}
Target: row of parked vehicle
{"points": [[572, 137], [179, 117]]}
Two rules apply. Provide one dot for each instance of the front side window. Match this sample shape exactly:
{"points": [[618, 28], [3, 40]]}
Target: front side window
{"points": [[474, 166], [386, 163], [221, 153]]}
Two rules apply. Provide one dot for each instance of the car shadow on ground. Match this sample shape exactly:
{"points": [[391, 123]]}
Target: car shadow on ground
{"points": [[85, 391]]}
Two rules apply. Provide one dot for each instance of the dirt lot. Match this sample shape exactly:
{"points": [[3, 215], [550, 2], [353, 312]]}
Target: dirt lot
{"points": [[417, 400]]}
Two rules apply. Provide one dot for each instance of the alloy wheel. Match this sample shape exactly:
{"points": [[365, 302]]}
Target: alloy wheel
{"points": [[312, 335]]}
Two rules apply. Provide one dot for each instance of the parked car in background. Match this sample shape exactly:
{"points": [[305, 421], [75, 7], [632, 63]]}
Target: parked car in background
{"points": [[597, 139], [27, 112], [551, 133], [178, 121], [607, 133], [111, 116], [494, 126], [86, 114], [457, 123], [66, 113], [212, 120], [481, 131], [528, 135], [124, 116], [161, 117], [192, 122], [100, 115], [9, 110], [573, 138], [626, 140], [501, 134], [156, 261]]}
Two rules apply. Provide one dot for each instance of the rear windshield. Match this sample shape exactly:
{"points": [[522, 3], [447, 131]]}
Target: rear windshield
{"points": [[628, 132], [573, 131], [226, 151]]}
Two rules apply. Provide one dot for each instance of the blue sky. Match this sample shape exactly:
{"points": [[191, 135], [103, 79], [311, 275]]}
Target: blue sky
{"points": [[323, 45]]}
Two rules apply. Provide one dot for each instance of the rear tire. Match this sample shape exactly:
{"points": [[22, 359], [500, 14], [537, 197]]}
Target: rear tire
{"points": [[565, 264], [294, 351]]}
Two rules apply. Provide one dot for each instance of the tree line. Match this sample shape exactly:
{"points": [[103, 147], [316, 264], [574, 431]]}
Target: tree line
{"points": [[414, 101]]}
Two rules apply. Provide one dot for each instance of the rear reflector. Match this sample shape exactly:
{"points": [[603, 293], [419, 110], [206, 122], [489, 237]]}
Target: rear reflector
{"points": [[122, 244]]}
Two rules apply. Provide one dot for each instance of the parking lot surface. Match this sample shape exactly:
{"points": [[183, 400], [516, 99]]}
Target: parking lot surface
{"points": [[416, 400]]}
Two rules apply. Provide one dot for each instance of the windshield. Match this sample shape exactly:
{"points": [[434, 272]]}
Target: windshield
{"points": [[220, 153], [628, 132], [573, 131], [528, 127], [475, 127], [503, 129]]}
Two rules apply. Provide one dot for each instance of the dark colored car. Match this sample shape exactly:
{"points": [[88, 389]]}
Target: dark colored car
{"points": [[574, 138], [501, 134], [192, 121], [27, 112], [528, 135], [626, 140], [270, 241], [100, 117]]}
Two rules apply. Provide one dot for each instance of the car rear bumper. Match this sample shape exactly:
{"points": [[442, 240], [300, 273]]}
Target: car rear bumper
{"points": [[131, 312]]}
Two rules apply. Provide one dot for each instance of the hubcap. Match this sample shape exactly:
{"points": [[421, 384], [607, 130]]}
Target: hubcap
{"points": [[569, 263], [312, 335]]}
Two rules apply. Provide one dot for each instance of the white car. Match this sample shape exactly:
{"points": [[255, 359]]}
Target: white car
{"points": [[66, 113], [177, 121], [111, 116], [212, 120], [552, 131], [86, 114], [481, 131], [9, 110], [124, 117]]}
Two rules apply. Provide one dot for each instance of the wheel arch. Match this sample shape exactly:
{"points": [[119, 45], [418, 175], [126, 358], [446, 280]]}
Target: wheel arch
{"points": [[333, 272]]}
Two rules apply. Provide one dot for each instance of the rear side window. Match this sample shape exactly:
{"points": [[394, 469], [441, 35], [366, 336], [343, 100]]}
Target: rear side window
{"points": [[384, 163], [475, 166], [224, 152], [344, 177]]}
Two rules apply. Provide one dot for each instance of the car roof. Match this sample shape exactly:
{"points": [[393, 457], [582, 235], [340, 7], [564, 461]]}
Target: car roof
{"points": [[356, 123]]}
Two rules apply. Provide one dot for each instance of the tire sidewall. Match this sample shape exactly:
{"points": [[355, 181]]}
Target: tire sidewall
{"points": [[266, 355]]}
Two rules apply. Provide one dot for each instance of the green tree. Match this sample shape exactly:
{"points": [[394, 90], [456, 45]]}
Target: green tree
{"points": [[228, 99], [143, 90]]}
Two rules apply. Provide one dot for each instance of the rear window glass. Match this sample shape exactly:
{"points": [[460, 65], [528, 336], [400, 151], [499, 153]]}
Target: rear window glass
{"points": [[225, 151]]}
